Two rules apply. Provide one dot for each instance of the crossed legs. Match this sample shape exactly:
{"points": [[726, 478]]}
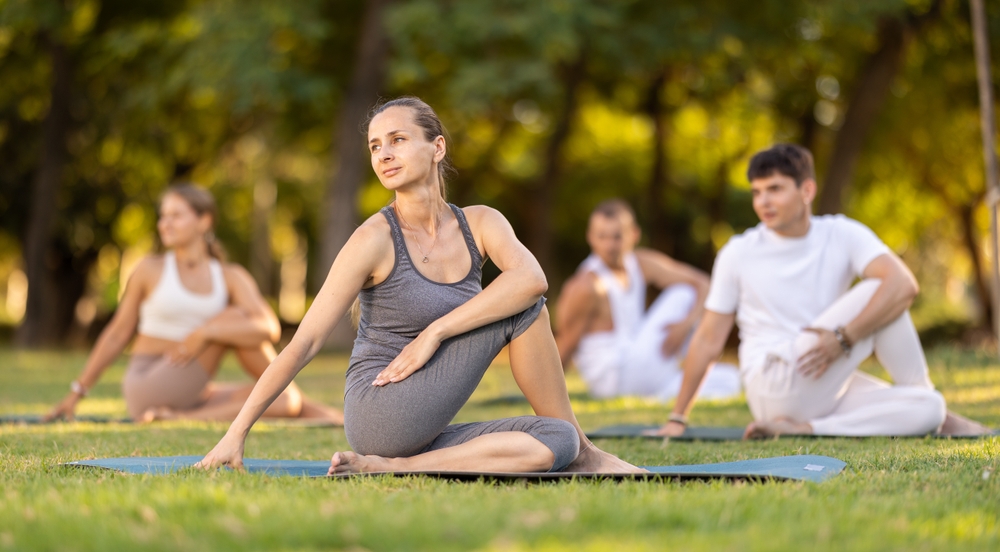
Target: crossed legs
{"points": [[537, 370], [223, 401], [844, 401]]}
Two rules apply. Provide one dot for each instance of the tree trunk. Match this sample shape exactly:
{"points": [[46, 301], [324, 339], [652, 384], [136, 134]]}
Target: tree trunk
{"points": [[261, 258], [872, 89], [542, 193], [340, 217], [658, 228], [807, 130], [42, 323], [968, 223]]}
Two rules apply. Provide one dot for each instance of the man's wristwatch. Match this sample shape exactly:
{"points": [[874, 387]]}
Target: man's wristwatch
{"points": [[78, 388], [842, 338]]}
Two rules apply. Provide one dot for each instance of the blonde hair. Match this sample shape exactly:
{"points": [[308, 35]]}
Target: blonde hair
{"points": [[202, 203]]}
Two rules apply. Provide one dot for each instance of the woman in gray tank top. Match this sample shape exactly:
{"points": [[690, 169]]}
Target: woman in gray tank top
{"points": [[428, 330]]}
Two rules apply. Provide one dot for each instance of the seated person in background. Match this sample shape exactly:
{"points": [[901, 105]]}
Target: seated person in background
{"points": [[603, 325], [804, 329], [186, 308]]}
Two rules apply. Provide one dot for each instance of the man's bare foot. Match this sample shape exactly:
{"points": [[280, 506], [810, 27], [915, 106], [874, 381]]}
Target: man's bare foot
{"points": [[594, 460], [958, 426], [319, 412], [352, 462], [776, 427], [158, 413]]}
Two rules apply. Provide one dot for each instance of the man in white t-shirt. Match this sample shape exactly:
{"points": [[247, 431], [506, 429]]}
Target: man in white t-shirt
{"points": [[804, 329], [620, 347]]}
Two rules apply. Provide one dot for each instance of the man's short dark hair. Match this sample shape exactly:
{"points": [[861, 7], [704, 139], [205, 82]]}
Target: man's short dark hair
{"points": [[787, 159], [614, 208]]}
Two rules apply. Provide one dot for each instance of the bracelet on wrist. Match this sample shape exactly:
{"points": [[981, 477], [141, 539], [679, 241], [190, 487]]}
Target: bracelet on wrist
{"points": [[78, 388], [841, 335], [678, 418]]}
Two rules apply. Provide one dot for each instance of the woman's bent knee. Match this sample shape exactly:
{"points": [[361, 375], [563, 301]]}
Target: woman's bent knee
{"points": [[561, 439]]}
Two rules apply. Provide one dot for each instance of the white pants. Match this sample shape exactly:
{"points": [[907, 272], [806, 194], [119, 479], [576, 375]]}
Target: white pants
{"points": [[613, 366], [844, 401]]}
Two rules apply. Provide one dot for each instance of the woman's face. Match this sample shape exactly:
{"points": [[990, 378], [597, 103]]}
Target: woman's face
{"points": [[401, 156], [179, 225]]}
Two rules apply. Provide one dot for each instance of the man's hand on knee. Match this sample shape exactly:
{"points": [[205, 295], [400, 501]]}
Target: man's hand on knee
{"points": [[814, 362]]}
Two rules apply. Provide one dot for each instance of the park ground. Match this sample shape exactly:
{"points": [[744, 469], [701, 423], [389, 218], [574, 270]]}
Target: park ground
{"points": [[896, 494]]}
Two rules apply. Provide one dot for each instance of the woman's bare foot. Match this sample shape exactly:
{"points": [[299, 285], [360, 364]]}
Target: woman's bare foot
{"points": [[594, 460], [776, 427], [352, 462], [158, 413], [957, 426]]}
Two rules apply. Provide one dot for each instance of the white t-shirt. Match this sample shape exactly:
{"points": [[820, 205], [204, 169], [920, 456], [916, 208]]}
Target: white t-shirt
{"points": [[778, 285]]}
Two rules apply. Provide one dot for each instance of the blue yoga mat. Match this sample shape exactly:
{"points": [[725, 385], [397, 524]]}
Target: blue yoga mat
{"points": [[696, 433], [35, 419], [693, 433], [801, 468]]}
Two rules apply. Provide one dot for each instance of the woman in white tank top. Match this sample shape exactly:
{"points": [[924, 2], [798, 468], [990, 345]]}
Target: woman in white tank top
{"points": [[186, 308]]}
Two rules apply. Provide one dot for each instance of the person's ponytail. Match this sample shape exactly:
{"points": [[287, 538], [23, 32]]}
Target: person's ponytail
{"points": [[215, 248]]}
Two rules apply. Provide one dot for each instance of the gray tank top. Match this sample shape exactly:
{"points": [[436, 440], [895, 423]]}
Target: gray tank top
{"points": [[396, 310]]}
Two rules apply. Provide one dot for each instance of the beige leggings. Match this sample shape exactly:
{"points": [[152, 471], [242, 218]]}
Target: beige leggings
{"points": [[154, 381], [844, 401]]}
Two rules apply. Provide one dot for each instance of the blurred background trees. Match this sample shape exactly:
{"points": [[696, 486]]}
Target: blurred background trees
{"points": [[551, 107]]}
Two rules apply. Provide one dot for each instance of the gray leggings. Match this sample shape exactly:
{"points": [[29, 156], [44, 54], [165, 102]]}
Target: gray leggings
{"points": [[412, 416]]}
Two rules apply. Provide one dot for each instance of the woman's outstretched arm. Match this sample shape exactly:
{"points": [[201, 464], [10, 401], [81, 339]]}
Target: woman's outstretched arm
{"points": [[520, 284], [112, 341], [353, 267]]}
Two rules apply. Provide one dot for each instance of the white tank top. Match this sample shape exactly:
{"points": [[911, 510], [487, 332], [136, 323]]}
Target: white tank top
{"points": [[172, 311], [599, 355], [628, 305]]}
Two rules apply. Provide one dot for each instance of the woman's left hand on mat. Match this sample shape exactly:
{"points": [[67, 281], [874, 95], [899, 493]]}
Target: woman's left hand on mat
{"points": [[66, 409], [412, 358], [228, 452]]}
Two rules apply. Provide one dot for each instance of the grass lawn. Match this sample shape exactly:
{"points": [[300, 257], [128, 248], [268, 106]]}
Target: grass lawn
{"points": [[897, 494]]}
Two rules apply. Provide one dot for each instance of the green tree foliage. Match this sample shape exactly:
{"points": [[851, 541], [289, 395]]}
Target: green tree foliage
{"points": [[551, 107]]}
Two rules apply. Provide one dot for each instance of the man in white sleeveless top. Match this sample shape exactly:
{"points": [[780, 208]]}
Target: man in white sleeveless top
{"points": [[602, 323], [804, 329]]}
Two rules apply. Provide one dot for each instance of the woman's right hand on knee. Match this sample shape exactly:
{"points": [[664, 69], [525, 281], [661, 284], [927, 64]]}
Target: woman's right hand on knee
{"points": [[228, 452], [412, 358]]}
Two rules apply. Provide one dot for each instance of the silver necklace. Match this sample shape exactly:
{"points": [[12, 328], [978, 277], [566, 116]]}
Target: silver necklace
{"points": [[414, 235]]}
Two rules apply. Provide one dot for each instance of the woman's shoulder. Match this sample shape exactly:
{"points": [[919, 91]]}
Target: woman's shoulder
{"points": [[147, 271], [149, 266], [234, 270], [374, 229], [483, 214]]}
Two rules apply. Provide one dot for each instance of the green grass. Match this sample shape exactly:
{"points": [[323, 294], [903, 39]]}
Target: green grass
{"points": [[897, 494]]}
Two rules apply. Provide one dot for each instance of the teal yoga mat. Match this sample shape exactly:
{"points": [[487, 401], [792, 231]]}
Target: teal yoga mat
{"points": [[791, 468], [33, 419], [693, 433], [696, 433]]}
